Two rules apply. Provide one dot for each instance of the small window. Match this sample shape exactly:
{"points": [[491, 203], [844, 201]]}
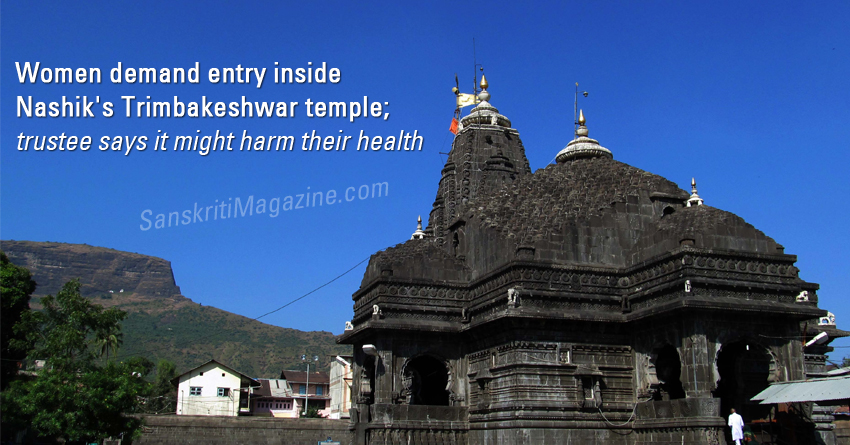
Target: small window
{"points": [[194, 390], [201, 373], [318, 390], [302, 389], [223, 392], [222, 374]]}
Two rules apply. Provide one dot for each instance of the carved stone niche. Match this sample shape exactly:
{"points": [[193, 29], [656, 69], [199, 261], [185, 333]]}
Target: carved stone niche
{"points": [[377, 314], [625, 304], [513, 297], [525, 252], [589, 387], [564, 355], [365, 395], [484, 391]]}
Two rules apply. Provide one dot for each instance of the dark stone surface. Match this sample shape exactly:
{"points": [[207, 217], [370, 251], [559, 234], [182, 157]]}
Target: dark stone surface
{"points": [[204, 430], [548, 297]]}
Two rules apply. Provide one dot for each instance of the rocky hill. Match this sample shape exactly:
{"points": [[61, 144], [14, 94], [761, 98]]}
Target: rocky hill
{"points": [[162, 323], [100, 270]]}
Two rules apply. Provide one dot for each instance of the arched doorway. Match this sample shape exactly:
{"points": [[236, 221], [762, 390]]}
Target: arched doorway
{"points": [[426, 380], [744, 370], [668, 370]]}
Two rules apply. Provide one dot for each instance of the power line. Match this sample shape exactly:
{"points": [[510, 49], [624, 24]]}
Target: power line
{"points": [[314, 290], [119, 356]]}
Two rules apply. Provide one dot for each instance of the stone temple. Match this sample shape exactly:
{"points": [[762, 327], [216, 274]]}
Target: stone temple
{"points": [[587, 302]]}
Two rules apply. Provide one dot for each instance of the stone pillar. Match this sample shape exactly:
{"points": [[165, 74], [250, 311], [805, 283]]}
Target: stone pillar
{"points": [[385, 371], [697, 366]]}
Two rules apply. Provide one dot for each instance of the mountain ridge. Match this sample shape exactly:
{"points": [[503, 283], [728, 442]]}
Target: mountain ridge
{"points": [[162, 323]]}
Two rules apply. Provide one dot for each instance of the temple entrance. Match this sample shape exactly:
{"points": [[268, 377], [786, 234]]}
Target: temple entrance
{"points": [[426, 380], [744, 370], [668, 369]]}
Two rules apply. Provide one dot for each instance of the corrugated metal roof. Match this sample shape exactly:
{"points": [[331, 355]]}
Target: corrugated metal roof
{"points": [[814, 390], [273, 388]]}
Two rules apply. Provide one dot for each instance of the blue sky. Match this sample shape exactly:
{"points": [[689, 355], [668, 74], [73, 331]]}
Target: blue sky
{"points": [[751, 98]]}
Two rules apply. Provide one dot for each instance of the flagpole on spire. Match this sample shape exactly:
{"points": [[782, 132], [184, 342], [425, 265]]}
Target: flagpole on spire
{"points": [[474, 69], [464, 99], [575, 109]]}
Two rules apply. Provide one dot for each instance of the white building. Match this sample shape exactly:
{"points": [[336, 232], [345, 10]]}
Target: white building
{"points": [[340, 387], [213, 389]]}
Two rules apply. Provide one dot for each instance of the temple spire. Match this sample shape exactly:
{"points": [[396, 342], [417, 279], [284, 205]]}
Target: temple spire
{"points": [[484, 95], [484, 113], [418, 234], [582, 146], [694, 199]]}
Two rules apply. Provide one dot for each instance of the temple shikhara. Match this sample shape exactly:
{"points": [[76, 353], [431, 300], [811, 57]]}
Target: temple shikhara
{"points": [[587, 302]]}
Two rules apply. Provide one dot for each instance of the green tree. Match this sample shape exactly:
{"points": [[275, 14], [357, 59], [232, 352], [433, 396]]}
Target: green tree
{"points": [[16, 287], [163, 395], [74, 397], [312, 412], [109, 339]]}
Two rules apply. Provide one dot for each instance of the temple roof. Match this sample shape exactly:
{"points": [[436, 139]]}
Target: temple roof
{"points": [[591, 210], [587, 209], [561, 194]]}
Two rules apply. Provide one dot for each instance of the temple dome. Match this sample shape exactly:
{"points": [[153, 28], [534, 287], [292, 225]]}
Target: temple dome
{"points": [[582, 146], [596, 210], [592, 211], [587, 210]]}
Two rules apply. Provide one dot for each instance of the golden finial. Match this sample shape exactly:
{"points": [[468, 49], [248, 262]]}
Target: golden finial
{"points": [[581, 120], [484, 83], [694, 184]]}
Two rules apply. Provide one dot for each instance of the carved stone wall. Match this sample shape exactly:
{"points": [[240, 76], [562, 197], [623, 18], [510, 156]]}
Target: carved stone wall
{"points": [[548, 296]]}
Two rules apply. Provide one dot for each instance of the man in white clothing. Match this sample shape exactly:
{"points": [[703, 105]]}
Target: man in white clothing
{"points": [[736, 422]]}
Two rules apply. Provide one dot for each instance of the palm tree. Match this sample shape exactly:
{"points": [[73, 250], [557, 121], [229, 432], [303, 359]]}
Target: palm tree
{"points": [[108, 339]]}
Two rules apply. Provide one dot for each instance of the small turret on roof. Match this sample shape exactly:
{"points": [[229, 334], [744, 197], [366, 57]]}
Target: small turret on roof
{"points": [[484, 114], [582, 146], [418, 234], [694, 200]]}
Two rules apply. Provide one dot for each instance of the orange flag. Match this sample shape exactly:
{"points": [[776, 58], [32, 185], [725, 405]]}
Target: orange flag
{"points": [[453, 127]]}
